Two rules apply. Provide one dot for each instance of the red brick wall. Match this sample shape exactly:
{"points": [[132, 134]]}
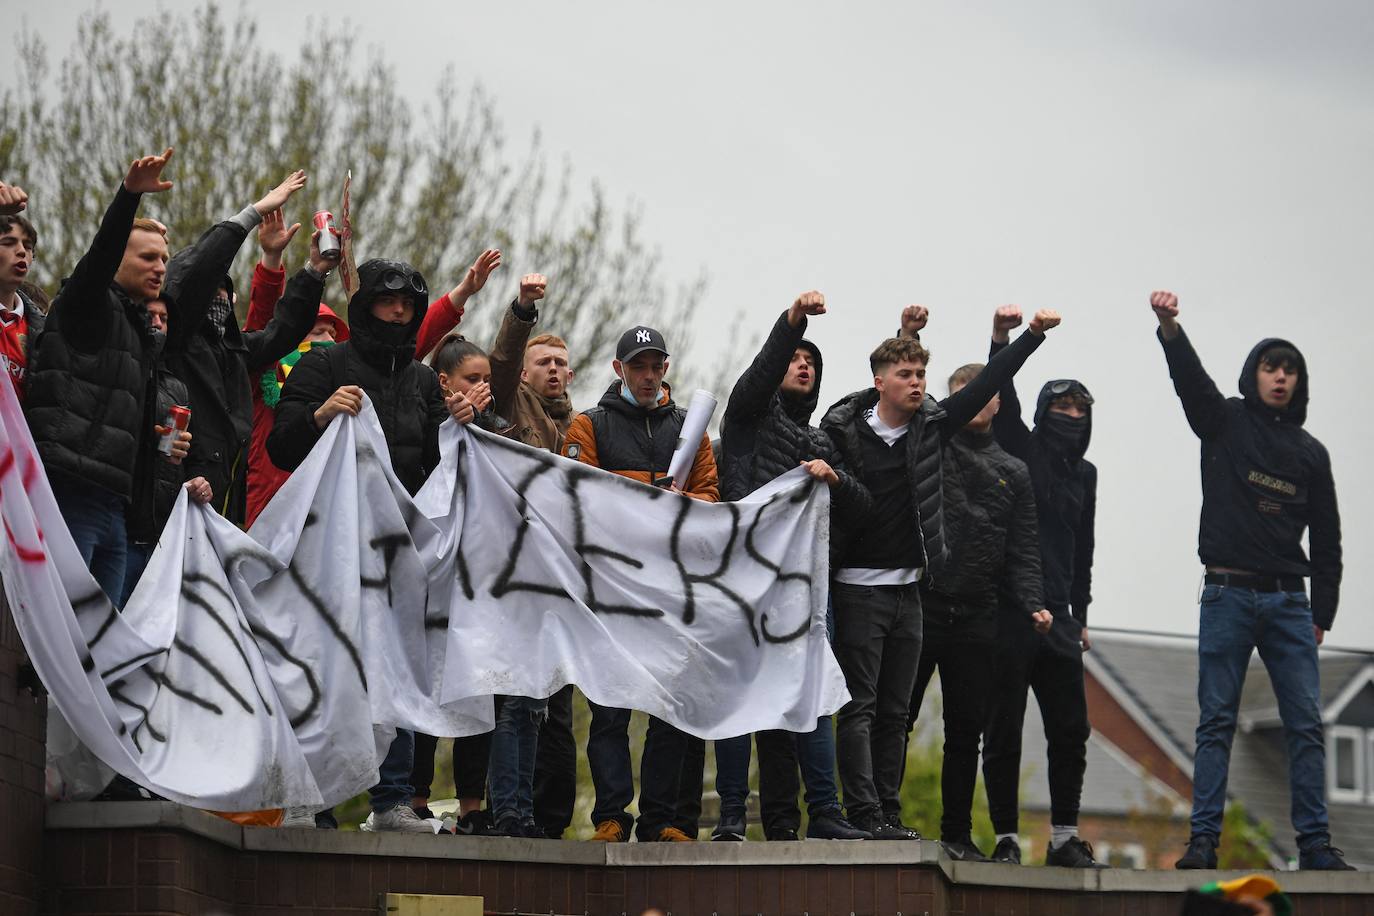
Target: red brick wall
{"points": [[22, 730], [1111, 721]]}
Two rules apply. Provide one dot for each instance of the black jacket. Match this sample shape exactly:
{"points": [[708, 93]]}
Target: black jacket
{"points": [[91, 381], [1264, 478], [765, 434], [927, 432], [219, 368], [380, 359], [1065, 486], [167, 477], [990, 528]]}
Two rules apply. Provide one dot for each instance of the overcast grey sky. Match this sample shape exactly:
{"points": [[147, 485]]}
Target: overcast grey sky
{"points": [[963, 156]]}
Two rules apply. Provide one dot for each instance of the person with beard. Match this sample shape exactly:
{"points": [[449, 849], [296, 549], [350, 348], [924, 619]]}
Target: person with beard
{"points": [[892, 437], [220, 364], [633, 432], [766, 432], [529, 380], [378, 359], [994, 552], [1051, 664], [1264, 480]]}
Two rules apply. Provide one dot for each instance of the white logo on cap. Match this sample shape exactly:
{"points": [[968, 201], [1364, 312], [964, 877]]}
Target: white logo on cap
{"points": [[642, 336]]}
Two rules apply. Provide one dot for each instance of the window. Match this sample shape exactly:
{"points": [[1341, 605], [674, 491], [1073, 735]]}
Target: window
{"points": [[1124, 855], [1345, 762]]}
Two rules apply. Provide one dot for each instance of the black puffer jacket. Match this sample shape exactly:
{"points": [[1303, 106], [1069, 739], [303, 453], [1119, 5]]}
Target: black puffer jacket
{"points": [[765, 434], [1264, 478], [993, 543], [1065, 485], [218, 368], [379, 358], [927, 432], [91, 380]]}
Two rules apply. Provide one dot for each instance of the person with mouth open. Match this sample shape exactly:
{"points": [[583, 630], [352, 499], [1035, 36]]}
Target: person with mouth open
{"points": [[21, 321]]}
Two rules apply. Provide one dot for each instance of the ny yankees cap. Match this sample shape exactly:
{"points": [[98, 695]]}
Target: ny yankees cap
{"points": [[637, 340]]}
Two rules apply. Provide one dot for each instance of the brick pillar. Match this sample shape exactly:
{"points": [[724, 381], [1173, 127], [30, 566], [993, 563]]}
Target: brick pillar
{"points": [[23, 729]]}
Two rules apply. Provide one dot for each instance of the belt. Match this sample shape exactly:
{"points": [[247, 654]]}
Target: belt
{"points": [[1257, 583]]}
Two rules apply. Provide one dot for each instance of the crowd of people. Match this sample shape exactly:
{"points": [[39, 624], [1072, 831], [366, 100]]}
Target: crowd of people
{"points": [[962, 539]]}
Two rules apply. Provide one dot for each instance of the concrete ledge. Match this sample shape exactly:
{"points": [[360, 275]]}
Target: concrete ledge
{"points": [[170, 816]]}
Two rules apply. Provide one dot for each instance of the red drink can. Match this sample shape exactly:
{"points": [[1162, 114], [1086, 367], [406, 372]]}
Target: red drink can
{"points": [[329, 236], [178, 419]]}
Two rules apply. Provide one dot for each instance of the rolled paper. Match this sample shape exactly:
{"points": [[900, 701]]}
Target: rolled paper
{"points": [[698, 417]]}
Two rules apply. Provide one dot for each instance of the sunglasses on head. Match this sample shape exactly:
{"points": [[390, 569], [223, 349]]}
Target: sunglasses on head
{"points": [[1066, 387], [396, 280]]}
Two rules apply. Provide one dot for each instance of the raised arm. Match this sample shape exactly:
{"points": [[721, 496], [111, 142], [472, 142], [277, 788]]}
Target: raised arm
{"points": [[508, 352], [1008, 425], [446, 312], [1324, 539], [269, 278], [753, 392], [1203, 404], [293, 316], [965, 403], [82, 301]]}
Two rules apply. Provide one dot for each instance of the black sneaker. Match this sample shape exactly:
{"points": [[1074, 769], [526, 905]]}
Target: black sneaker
{"points": [[424, 814], [531, 830], [882, 829], [1008, 852], [963, 850], [1073, 853], [1323, 858], [831, 825], [507, 826], [730, 829], [474, 823], [1202, 853], [782, 834]]}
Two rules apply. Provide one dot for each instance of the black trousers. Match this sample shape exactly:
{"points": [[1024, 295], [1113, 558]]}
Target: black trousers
{"points": [[555, 767], [779, 780], [878, 645], [687, 818], [470, 759], [1024, 659], [965, 683]]}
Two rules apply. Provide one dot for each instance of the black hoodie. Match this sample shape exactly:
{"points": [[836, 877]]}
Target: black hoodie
{"points": [[1065, 487], [765, 433], [1264, 478], [378, 357]]}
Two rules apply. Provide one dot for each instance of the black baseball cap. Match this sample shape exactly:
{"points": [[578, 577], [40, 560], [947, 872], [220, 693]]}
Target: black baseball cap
{"points": [[637, 340]]}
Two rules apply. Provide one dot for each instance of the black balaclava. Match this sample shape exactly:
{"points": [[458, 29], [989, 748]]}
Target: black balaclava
{"points": [[381, 341], [1066, 436]]}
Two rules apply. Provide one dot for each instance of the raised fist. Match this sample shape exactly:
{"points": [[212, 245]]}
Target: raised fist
{"points": [[1006, 318], [1164, 303], [914, 318], [13, 200], [808, 303], [1044, 320], [532, 289]]}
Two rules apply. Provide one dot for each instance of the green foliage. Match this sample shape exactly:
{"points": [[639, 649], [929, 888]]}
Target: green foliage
{"points": [[922, 804], [433, 186], [1245, 842]]}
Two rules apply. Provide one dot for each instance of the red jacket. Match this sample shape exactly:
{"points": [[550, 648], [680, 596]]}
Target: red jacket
{"points": [[264, 477]]}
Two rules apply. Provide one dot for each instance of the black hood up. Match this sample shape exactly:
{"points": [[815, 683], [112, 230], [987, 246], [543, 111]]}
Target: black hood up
{"points": [[381, 343], [1296, 411], [1042, 407], [799, 410]]}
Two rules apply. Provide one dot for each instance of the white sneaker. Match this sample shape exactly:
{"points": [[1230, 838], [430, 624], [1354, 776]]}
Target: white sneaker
{"points": [[400, 819], [298, 817]]}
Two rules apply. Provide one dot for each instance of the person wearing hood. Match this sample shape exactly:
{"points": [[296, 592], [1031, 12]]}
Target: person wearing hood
{"points": [[220, 364], [1051, 664], [633, 432], [378, 360], [765, 433], [893, 437], [994, 559], [1265, 480]]}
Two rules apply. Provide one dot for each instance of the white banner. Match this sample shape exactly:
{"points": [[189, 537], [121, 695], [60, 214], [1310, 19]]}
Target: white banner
{"points": [[267, 669]]}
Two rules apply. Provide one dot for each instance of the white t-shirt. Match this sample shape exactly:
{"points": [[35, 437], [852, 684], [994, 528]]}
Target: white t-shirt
{"points": [[857, 575]]}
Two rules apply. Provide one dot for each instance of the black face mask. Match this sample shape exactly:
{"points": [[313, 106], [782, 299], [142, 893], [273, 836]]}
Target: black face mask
{"points": [[1063, 431], [159, 342]]}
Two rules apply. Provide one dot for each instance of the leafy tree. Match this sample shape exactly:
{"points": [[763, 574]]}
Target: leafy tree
{"points": [[433, 186]]}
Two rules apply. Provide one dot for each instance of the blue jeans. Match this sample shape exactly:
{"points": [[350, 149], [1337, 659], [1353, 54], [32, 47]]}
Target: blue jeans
{"points": [[95, 518], [510, 774], [136, 560], [1235, 622], [393, 776]]}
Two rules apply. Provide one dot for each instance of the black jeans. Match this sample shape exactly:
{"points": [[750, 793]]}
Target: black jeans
{"points": [[964, 686], [1024, 659], [470, 761], [660, 771], [687, 817], [878, 646], [555, 767]]}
